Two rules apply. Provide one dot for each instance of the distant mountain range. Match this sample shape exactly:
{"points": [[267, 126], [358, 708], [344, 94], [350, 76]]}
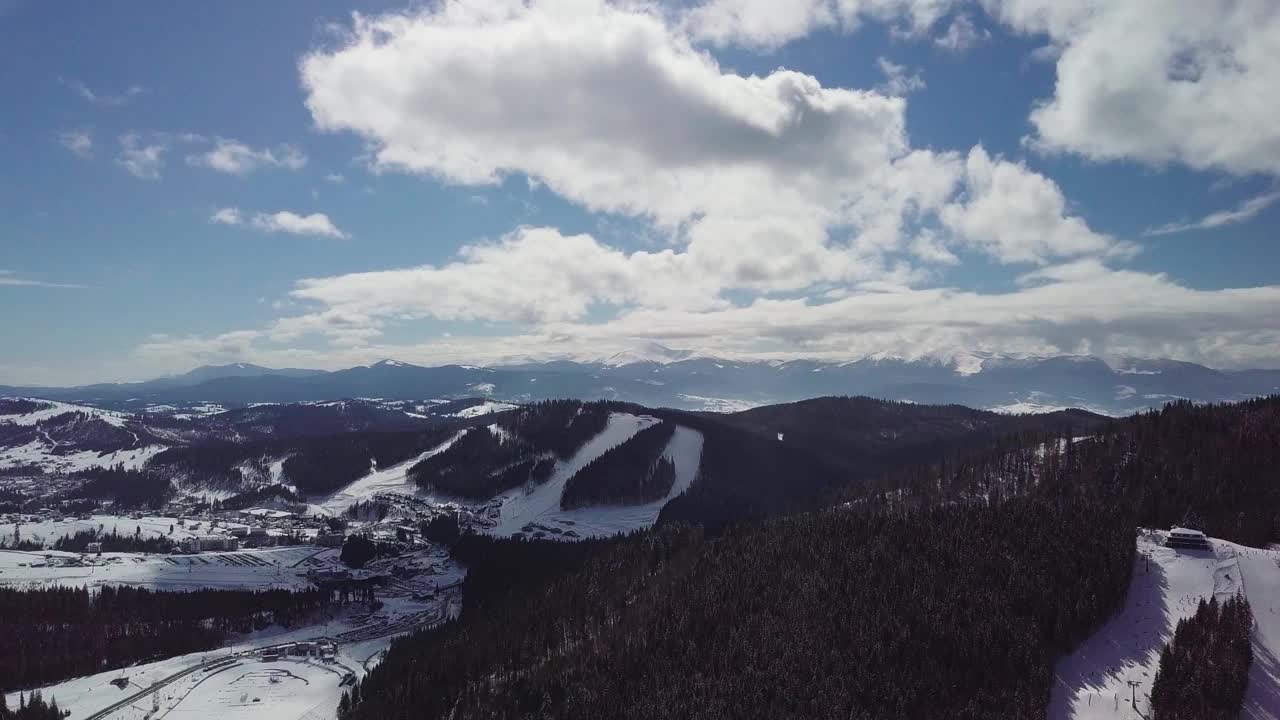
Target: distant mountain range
{"points": [[656, 376]]}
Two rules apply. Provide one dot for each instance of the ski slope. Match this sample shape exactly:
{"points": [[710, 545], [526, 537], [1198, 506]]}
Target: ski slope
{"points": [[390, 479], [541, 505], [1093, 682]]}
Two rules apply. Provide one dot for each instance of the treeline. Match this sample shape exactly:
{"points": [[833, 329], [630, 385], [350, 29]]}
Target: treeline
{"points": [[630, 473], [314, 464], [125, 487], [21, 406], [1202, 466], [55, 633], [31, 708], [257, 496], [559, 426], [1204, 670], [868, 612], [113, 542], [358, 549]]}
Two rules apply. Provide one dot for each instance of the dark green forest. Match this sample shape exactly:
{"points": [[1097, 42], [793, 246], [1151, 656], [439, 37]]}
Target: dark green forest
{"points": [[55, 633], [1204, 670], [946, 590]]}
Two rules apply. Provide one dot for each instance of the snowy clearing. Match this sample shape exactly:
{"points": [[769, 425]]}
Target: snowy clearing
{"points": [[1092, 683], [150, 525], [41, 454], [58, 408], [485, 408]]}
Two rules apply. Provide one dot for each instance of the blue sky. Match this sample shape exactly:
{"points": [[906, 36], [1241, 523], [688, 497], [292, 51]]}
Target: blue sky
{"points": [[485, 180]]}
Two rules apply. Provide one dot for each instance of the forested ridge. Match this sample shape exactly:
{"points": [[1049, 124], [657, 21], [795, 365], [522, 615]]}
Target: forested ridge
{"points": [[55, 633], [1211, 467], [948, 590], [854, 613]]}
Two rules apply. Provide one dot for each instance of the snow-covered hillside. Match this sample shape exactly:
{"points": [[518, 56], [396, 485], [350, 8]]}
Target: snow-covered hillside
{"points": [[540, 507], [51, 408], [1093, 682], [45, 455], [389, 479]]}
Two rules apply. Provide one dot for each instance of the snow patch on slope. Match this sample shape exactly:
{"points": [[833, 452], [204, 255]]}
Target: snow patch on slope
{"points": [[486, 408]]}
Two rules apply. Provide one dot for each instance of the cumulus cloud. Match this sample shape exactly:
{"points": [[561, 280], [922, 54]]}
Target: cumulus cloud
{"points": [[284, 221], [78, 142], [794, 219], [237, 158], [754, 175], [1243, 212], [1017, 216], [142, 158], [226, 216], [1184, 81]]}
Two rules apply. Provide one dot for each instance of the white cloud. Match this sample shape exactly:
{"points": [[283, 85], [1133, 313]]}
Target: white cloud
{"points": [[797, 218], [236, 158], [142, 158], [226, 216], [560, 278], [9, 278], [103, 99], [1081, 307], [1243, 212], [1017, 216], [316, 224], [79, 142], [961, 34], [897, 81], [1185, 81]]}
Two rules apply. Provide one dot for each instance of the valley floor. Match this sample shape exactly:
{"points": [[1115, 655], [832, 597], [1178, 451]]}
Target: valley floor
{"points": [[1093, 682]]}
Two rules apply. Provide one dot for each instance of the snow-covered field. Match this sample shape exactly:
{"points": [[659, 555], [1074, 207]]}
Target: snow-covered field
{"points": [[265, 568], [485, 408], [56, 408], [1093, 682], [148, 526], [239, 684], [41, 453], [541, 505], [240, 687]]}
